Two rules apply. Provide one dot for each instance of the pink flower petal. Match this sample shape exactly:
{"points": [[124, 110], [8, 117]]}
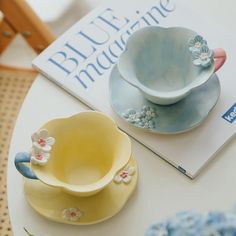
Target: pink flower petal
{"points": [[41, 142]]}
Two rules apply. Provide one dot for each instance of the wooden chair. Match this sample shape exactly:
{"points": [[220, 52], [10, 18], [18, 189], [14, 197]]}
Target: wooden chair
{"points": [[18, 17]]}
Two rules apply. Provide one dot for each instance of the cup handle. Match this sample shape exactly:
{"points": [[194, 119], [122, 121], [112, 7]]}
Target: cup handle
{"points": [[219, 57], [20, 160]]}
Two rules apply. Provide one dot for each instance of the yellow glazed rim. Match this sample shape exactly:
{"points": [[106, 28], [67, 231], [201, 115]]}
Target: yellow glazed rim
{"points": [[44, 173]]}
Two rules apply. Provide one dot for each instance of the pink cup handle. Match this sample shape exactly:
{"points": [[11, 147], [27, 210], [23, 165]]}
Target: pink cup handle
{"points": [[219, 57]]}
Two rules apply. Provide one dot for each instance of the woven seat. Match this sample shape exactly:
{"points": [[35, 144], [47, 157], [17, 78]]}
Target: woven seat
{"points": [[16, 16]]}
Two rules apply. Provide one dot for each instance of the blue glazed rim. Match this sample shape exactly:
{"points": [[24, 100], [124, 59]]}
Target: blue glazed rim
{"points": [[176, 94], [213, 85]]}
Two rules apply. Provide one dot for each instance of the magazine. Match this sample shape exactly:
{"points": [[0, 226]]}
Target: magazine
{"points": [[81, 60]]}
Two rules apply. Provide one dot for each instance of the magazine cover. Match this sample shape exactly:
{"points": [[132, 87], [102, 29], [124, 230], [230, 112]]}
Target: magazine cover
{"points": [[84, 59]]}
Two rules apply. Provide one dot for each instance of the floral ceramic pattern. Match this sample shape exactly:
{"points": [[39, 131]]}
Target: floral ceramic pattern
{"points": [[148, 113], [125, 175], [196, 43], [39, 157], [191, 223], [41, 140], [71, 214], [131, 115], [144, 118], [204, 57], [201, 54], [41, 147]]}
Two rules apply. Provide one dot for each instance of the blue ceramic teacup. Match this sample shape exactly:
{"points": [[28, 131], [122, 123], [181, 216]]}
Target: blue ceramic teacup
{"points": [[165, 64]]}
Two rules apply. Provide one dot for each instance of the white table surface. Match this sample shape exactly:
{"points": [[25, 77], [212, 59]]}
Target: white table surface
{"points": [[161, 191]]}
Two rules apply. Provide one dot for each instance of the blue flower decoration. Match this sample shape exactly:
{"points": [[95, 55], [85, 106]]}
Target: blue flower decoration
{"points": [[203, 57], [148, 112], [201, 54], [131, 116], [186, 221], [196, 43], [145, 118], [194, 224], [159, 229], [147, 124]]}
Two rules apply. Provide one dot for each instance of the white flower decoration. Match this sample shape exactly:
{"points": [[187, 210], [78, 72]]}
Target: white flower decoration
{"points": [[148, 113], [145, 118], [125, 175], [39, 157], [147, 124], [41, 140], [204, 57], [196, 43], [131, 116], [71, 214]]}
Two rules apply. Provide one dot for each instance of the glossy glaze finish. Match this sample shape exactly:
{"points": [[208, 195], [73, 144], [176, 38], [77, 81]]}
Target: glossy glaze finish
{"points": [[89, 210], [158, 62], [88, 152]]}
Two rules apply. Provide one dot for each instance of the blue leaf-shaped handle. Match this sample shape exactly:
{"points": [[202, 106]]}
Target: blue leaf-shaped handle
{"points": [[20, 160]]}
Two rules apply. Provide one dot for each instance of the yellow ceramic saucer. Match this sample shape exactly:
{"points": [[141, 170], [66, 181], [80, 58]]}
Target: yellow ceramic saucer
{"points": [[59, 206]]}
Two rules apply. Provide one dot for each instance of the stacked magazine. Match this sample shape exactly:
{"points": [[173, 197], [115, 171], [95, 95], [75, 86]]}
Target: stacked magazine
{"points": [[81, 60]]}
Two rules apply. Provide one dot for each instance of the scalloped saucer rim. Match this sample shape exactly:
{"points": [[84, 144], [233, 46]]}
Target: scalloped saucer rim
{"points": [[124, 96], [89, 210]]}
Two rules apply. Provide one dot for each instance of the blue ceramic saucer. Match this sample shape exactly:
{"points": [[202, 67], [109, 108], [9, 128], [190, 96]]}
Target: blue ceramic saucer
{"points": [[128, 102]]}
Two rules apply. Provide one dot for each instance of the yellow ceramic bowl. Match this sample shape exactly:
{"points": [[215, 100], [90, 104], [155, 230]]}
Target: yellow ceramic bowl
{"points": [[89, 150]]}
